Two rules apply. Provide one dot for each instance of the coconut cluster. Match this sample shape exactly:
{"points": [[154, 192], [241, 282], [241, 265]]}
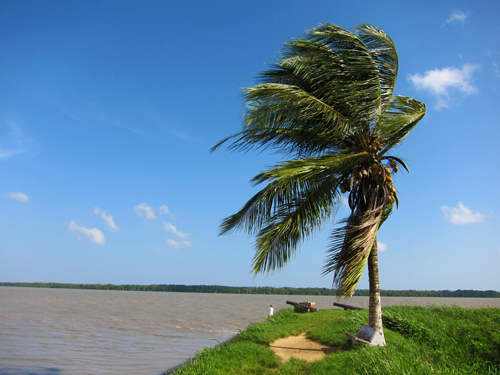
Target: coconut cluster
{"points": [[380, 174], [374, 147]]}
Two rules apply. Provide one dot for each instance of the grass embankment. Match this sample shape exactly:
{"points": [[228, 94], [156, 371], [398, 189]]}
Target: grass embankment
{"points": [[421, 340]]}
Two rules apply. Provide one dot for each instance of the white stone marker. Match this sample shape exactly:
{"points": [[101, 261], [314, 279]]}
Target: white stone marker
{"points": [[366, 335]]}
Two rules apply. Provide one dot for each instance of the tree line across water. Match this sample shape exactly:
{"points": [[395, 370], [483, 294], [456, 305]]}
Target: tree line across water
{"points": [[259, 290]]}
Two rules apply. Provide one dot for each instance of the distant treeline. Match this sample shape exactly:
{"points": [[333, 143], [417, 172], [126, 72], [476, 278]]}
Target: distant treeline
{"points": [[260, 290], [434, 293]]}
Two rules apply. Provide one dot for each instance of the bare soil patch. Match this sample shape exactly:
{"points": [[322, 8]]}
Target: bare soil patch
{"points": [[300, 347]]}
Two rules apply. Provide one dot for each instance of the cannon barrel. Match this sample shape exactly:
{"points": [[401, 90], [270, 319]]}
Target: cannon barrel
{"points": [[347, 307]]}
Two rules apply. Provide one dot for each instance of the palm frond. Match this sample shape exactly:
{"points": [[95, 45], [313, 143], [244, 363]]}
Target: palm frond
{"points": [[304, 169], [387, 211], [289, 224], [277, 243], [325, 87], [224, 140], [346, 71], [288, 119], [350, 248], [400, 119], [285, 182], [384, 53]]}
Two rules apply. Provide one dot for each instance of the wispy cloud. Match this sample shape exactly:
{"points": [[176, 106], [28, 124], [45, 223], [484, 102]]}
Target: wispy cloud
{"points": [[184, 242], [6, 153], [107, 218], [121, 124], [381, 246], [457, 16], [94, 235], [495, 69], [164, 210], [172, 229], [162, 124], [16, 142], [149, 213], [179, 244], [461, 215], [441, 83], [145, 211], [18, 196]]}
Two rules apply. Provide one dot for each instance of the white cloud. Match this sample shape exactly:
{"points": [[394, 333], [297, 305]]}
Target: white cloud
{"points": [[461, 215], [4, 154], [94, 235], [184, 242], [172, 229], [148, 212], [496, 70], [18, 196], [107, 218], [179, 244], [164, 210], [382, 246], [441, 82], [17, 142], [457, 16], [145, 211]]}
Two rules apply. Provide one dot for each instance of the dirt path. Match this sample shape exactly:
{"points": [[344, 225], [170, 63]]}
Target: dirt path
{"points": [[300, 347]]}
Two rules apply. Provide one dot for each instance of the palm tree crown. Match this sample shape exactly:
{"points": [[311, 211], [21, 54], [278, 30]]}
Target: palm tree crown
{"points": [[328, 104]]}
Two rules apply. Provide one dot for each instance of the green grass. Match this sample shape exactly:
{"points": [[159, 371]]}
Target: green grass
{"points": [[420, 340]]}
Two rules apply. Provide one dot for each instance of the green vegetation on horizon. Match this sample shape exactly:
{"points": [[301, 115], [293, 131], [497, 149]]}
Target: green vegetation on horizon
{"points": [[259, 290], [421, 340]]}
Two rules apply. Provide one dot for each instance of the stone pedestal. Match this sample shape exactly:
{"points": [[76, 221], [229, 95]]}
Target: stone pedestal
{"points": [[366, 335]]}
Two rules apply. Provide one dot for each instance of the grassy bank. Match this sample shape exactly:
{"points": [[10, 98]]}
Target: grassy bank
{"points": [[421, 340]]}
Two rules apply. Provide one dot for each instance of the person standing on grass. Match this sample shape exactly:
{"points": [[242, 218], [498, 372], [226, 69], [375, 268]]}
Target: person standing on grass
{"points": [[271, 310]]}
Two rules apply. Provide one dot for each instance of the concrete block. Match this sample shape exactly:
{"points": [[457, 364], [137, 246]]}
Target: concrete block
{"points": [[366, 335]]}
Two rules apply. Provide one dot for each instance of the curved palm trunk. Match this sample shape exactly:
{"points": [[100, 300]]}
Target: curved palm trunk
{"points": [[375, 309]]}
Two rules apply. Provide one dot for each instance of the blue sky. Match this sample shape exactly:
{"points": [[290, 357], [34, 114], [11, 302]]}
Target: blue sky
{"points": [[108, 110]]}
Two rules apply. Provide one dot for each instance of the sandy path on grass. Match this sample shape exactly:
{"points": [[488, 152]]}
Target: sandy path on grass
{"points": [[300, 347]]}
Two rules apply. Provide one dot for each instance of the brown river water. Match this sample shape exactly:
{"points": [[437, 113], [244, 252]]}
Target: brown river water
{"points": [[74, 331]]}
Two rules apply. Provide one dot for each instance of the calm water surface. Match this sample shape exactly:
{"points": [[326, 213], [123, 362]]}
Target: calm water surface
{"points": [[71, 331]]}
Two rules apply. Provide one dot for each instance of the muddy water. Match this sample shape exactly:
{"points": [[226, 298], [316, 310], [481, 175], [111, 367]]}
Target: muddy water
{"points": [[71, 331]]}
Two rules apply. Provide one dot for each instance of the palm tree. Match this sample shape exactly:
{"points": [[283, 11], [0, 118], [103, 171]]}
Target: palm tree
{"points": [[327, 103]]}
